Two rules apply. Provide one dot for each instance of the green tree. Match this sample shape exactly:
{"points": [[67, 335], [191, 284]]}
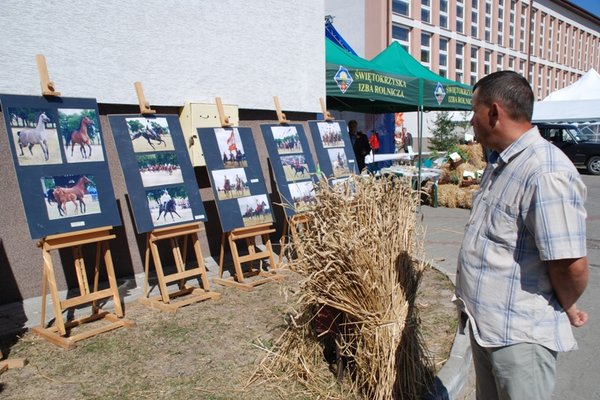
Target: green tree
{"points": [[443, 137]]}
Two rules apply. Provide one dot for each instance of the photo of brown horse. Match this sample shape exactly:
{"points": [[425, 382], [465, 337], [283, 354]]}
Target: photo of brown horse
{"points": [[80, 129], [79, 190]]}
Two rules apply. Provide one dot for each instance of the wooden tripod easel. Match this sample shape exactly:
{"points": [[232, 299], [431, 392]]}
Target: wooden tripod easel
{"points": [[5, 365], [57, 334], [248, 234], [294, 223], [163, 301]]}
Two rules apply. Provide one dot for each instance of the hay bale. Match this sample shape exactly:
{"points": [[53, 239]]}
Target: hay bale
{"points": [[474, 153], [447, 196], [360, 254]]}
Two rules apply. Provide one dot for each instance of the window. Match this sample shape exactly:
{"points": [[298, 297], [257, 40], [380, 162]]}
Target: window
{"points": [[488, 28], [532, 33], [487, 62], [402, 35], [500, 36], [474, 22], [550, 39], [401, 7], [542, 37], [460, 11], [444, 14], [459, 56], [511, 63], [426, 11], [522, 30], [443, 61], [499, 62], [474, 63], [425, 48]]}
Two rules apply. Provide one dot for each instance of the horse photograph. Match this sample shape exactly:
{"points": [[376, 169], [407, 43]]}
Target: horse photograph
{"points": [[35, 137], [159, 169], [302, 195], [286, 139], [230, 183], [339, 163], [295, 167], [150, 134], [231, 148], [255, 210], [331, 134], [169, 205], [80, 130], [70, 196]]}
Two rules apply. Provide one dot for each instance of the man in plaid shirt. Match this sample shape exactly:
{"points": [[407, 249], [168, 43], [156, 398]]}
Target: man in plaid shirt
{"points": [[522, 265]]}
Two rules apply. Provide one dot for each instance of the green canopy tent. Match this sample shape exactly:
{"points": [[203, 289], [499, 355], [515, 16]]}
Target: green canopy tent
{"points": [[438, 92], [355, 84], [393, 81]]}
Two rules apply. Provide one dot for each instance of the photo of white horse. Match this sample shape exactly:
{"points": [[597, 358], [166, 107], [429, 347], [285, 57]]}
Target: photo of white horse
{"points": [[35, 137]]}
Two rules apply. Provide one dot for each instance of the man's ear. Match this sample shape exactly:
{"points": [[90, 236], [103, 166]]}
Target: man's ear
{"points": [[494, 114]]}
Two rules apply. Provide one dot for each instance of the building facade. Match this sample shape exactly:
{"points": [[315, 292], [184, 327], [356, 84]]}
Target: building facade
{"points": [[550, 42]]}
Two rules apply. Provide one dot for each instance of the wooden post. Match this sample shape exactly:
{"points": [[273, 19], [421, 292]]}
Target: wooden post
{"points": [[222, 117], [144, 104], [326, 115], [249, 234], [46, 84], [164, 300], [59, 334], [280, 115]]}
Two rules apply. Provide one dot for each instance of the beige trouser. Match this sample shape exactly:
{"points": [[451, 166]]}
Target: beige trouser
{"points": [[523, 371]]}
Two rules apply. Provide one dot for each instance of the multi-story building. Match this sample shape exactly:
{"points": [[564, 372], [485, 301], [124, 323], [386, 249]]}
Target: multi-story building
{"points": [[551, 42]]}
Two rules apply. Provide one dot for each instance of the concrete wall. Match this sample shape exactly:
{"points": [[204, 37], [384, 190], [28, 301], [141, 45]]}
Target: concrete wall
{"points": [[187, 50]]}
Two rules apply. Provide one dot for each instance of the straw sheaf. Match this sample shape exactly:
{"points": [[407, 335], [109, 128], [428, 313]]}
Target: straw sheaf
{"points": [[359, 253]]}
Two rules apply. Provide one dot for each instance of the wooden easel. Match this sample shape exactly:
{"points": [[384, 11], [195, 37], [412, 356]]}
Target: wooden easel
{"points": [[326, 115], [248, 234], [5, 365], [57, 334], [294, 223], [197, 294], [45, 82], [144, 104]]}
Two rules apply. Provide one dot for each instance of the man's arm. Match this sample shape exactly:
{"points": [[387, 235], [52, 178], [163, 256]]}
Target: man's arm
{"points": [[569, 277]]}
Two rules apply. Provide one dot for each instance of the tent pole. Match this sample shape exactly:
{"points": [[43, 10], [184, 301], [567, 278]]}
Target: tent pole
{"points": [[419, 160]]}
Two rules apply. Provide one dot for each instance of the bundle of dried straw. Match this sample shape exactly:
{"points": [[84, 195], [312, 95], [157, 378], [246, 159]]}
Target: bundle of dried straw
{"points": [[359, 254]]}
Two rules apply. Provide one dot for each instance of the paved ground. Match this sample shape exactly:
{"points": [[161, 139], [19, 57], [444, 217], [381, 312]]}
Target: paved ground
{"points": [[577, 376]]}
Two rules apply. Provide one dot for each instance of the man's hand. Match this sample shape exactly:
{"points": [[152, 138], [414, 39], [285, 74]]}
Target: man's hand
{"points": [[576, 316]]}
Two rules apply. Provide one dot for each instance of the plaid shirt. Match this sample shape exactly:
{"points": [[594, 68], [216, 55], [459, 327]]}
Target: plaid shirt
{"points": [[529, 209]]}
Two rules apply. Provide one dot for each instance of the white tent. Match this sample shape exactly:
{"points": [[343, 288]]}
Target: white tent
{"points": [[578, 102]]}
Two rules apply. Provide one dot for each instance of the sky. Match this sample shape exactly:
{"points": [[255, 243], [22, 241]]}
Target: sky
{"points": [[592, 6]]}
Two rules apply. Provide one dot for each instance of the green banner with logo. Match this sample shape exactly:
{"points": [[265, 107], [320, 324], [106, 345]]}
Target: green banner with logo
{"points": [[438, 95]]}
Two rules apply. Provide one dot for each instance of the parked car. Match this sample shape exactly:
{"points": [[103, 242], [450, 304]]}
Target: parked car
{"points": [[579, 147]]}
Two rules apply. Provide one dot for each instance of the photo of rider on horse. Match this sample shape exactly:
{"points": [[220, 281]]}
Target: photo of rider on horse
{"points": [[169, 205], [149, 134]]}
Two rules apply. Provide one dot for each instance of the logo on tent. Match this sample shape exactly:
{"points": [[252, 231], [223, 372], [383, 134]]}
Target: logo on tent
{"points": [[440, 93], [343, 78]]}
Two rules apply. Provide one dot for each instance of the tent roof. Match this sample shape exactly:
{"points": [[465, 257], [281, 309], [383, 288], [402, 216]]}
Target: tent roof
{"points": [[455, 95], [578, 102], [356, 84], [381, 86], [586, 88]]}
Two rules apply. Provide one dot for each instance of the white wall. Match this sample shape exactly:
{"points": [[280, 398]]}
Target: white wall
{"points": [[188, 50]]}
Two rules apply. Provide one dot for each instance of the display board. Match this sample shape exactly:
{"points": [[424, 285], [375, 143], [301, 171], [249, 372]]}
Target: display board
{"points": [[236, 177], [159, 175], [292, 165], [60, 161], [334, 149]]}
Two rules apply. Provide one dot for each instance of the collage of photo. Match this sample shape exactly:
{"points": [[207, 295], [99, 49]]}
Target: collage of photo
{"points": [[330, 134], [159, 169], [292, 165], [59, 156], [236, 177]]}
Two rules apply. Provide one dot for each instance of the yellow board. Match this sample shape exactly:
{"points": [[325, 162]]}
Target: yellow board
{"points": [[201, 115]]}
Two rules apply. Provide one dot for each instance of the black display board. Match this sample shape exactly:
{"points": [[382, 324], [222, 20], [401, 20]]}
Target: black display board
{"points": [[60, 161], [160, 178], [236, 177], [292, 165], [334, 149]]}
